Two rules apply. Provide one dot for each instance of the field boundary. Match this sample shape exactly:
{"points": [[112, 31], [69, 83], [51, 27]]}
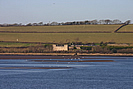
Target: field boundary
{"points": [[57, 32], [27, 42], [69, 32], [125, 32], [120, 27]]}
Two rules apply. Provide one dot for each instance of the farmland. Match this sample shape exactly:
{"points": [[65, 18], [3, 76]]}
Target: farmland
{"points": [[10, 44], [128, 28], [58, 29], [39, 39], [66, 34], [68, 37]]}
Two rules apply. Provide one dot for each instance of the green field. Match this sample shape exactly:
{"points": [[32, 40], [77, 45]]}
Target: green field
{"points": [[73, 36], [68, 28], [8, 44], [68, 37]]}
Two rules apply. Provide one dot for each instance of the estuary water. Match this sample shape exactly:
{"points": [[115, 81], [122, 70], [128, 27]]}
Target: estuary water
{"points": [[75, 73]]}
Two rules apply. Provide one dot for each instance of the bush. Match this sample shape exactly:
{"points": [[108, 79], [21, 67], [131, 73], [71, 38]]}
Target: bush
{"points": [[86, 47], [114, 50], [74, 47], [119, 47], [125, 51]]}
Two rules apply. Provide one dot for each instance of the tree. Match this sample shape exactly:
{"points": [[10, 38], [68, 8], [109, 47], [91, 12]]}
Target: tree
{"points": [[94, 21], [102, 21], [15, 24], [29, 24], [114, 50], [74, 23], [101, 43], [74, 47], [107, 21], [116, 21], [34, 24], [86, 22], [40, 23], [54, 23], [127, 22]]}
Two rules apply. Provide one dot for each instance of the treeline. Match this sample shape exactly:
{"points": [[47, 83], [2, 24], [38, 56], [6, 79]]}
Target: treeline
{"points": [[108, 49], [104, 48], [87, 22], [84, 49]]}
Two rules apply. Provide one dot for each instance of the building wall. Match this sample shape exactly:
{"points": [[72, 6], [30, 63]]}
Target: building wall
{"points": [[60, 48]]}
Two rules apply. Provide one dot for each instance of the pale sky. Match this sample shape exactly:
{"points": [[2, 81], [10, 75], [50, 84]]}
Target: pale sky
{"points": [[30, 11]]}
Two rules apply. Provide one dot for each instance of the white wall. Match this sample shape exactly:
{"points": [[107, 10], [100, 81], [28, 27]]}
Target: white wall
{"points": [[60, 48]]}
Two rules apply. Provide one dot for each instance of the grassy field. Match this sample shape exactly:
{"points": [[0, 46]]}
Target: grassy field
{"points": [[68, 37], [68, 28], [128, 28], [5, 44]]}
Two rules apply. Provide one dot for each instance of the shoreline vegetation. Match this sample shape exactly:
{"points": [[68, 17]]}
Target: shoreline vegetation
{"points": [[74, 49]]}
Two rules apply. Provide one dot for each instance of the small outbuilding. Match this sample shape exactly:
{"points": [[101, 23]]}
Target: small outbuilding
{"points": [[60, 47]]}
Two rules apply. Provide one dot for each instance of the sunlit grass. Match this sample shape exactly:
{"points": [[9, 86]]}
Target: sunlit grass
{"points": [[8, 44], [65, 28], [128, 28], [68, 37]]}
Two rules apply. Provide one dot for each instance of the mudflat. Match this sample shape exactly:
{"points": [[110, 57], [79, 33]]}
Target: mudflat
{"points": [[35, 67], [51, 57]]}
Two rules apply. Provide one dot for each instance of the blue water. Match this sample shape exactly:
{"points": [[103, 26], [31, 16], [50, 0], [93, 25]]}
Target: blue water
{"points": [[82, 75]]}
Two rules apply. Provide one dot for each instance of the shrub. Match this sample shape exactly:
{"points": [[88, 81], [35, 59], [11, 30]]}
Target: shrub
{"points": [[114, 50], [74, 47], [86, 47], [119, 47]]}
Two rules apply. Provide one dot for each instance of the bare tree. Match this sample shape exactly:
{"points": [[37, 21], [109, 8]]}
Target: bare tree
{"points": [[34, 24], [107, 21], [101, 21], [29, 24], [94, 21], [116, 21], [15, 24], [40, 23]]}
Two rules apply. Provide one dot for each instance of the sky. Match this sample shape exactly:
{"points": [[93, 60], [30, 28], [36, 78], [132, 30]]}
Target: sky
{"points": [[34, 11]]}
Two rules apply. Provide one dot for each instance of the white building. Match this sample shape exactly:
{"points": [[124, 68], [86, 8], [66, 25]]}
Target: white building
{"points": [[60, 48]]}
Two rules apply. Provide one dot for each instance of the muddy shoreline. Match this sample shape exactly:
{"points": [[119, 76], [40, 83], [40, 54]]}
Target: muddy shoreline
{"points": [[57, 55], [35, 67], [53, 57], [73, 60]]}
